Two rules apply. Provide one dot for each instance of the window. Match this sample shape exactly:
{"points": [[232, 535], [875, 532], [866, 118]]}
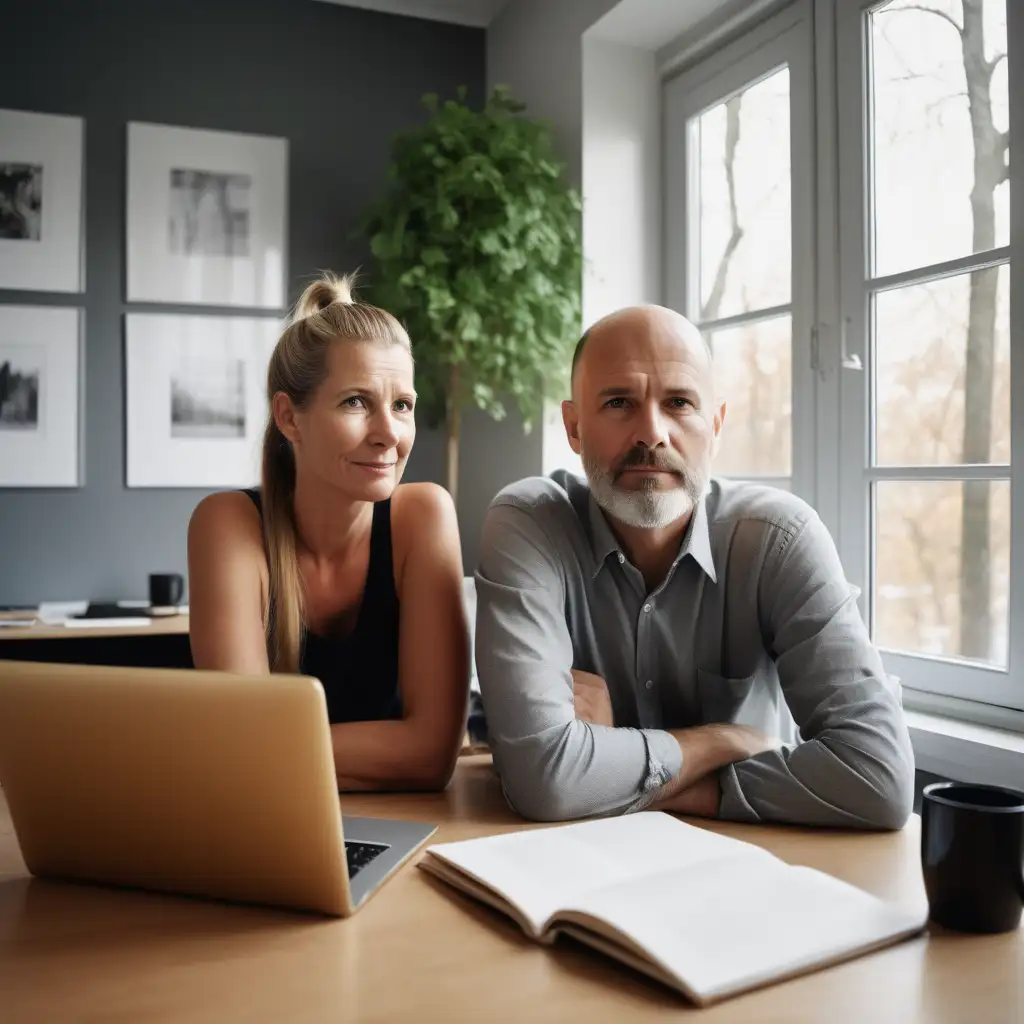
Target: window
{"points": [[926, 280], [838, 196], [739, 249]]}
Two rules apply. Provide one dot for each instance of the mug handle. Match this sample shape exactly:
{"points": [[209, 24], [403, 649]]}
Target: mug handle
{"points": [[177, 589]]}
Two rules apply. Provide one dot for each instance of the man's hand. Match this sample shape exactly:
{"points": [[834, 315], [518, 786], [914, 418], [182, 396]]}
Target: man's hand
{"points": [[590, 699], [706, 749], [747, 742], [701, 799]]}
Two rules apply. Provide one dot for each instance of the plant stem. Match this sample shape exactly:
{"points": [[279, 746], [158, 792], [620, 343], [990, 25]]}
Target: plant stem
{"points": [[452, 479]]}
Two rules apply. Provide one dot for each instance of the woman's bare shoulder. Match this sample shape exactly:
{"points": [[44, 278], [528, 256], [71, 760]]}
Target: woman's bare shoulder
{"points": [[228, 516], [421, 506], [421, 513]]}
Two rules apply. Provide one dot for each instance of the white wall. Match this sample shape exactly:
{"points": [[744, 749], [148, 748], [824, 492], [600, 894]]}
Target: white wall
{"points": [[621, 186], [621, 177]]}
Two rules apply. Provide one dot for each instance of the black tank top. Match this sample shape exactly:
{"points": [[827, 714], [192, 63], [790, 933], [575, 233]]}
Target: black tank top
{"points": [[359, 671]]}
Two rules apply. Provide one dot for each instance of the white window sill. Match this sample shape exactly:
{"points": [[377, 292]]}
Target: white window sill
{"points": [[965, 751]]}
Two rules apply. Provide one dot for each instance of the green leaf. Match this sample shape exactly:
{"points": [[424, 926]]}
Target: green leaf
{"points": [[476, 248]]}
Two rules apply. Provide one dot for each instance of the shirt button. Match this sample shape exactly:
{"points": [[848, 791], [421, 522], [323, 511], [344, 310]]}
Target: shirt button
{"points": [[647, 607], [622, 558], [649, 683]]}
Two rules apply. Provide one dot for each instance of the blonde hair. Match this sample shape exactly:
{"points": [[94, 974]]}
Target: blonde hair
{"points": [[326, 312]]}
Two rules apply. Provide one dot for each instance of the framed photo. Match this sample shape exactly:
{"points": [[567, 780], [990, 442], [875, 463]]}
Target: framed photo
{"points": [[40, 396], [41, 202], [206, 217], [196, 398]]}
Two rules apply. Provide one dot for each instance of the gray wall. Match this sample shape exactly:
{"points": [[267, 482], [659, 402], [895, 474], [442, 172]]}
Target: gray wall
{"points": [[533, 46], [336, 82]]}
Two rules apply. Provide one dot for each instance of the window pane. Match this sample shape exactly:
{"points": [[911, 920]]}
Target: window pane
{"points": [[940, 189], [753, 376], [942, 567], [743, 147], [942, 371]]}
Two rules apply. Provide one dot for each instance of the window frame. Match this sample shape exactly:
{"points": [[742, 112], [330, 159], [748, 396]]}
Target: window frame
{"points": [[945, 676], [830, 303], [783, 39]]}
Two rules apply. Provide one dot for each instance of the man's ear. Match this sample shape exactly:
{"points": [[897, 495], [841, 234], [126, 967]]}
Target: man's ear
{"points": [[571, 419], [716, 426], [284, 416]]}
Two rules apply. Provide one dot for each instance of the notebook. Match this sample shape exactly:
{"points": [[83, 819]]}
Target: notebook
{"points": [[707, 915]]}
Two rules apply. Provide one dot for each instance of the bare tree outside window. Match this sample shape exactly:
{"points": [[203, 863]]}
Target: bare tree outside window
{"points": [[940, 143], [745, 261]]}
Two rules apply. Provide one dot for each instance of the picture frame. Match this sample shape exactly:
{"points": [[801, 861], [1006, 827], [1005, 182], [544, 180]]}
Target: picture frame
{"points": [[40, 396], [206, 217], [196, 403], [41, 217]]}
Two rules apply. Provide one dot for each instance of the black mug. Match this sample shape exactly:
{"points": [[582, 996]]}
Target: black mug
{"points": [[166, 589], [972, 855]]}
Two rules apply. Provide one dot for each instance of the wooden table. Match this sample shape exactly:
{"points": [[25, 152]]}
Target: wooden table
{"points": [[420, 952], [162, 626]]}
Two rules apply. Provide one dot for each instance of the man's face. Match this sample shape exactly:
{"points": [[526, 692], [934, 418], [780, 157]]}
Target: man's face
{"points": [[643, 416]]}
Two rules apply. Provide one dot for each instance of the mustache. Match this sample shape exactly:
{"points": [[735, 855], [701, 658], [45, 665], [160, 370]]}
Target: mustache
{"points": [[640, 457]]}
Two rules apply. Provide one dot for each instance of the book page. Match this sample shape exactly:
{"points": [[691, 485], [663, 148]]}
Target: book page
{"points": [[731, 924], [545, 869]]}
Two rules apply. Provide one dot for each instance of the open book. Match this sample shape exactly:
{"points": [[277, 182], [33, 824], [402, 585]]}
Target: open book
{"points": [[708, 915]]}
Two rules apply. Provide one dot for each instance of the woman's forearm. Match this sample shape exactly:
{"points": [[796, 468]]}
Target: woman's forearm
{"points": [[390, 755]]}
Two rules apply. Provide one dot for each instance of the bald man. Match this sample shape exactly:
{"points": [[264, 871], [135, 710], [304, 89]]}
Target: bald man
{"points": [[653, 638]]}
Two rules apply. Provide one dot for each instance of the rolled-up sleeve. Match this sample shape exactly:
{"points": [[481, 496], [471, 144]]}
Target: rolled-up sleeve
{"points": [[552, 766], [855, 767]]}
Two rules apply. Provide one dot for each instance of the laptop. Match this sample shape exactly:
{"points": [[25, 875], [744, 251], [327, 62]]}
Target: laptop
{"points": [[206, 784]]}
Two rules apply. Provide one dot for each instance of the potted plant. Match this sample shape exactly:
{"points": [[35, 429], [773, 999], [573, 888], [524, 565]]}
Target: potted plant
{"points": [[476, 249]]}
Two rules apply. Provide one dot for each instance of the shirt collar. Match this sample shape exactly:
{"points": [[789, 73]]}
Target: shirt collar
{"points": [[696, 541]]}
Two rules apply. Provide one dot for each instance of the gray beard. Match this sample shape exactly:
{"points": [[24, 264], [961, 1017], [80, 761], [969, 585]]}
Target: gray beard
{"points": [[645, 508]]}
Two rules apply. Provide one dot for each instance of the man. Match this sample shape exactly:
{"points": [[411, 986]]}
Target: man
{"points": [[654, 640]]}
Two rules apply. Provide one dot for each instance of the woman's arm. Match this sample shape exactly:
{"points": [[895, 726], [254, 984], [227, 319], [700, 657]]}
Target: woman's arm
{"points": [[419, 751], [225, 582]]}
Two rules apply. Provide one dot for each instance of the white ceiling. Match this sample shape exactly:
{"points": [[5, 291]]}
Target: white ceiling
{"points": [[461, 12], [650, 24]]}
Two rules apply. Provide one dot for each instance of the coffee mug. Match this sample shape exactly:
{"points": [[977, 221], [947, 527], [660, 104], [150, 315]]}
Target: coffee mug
{"points": [[166, 589], [972, 855]]}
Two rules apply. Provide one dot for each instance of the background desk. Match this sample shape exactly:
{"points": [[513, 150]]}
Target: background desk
{"points": [[419, 952], [163, 643]]}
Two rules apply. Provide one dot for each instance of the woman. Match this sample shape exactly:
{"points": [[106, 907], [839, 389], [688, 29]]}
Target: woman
{"points": [[332, 568]]}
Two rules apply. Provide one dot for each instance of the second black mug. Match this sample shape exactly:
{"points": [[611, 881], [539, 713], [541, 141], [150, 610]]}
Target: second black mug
{"points": [[166, 590]]}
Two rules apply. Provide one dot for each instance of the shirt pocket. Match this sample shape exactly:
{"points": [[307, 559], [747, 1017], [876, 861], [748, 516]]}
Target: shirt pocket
{"points": [[739, 701]]}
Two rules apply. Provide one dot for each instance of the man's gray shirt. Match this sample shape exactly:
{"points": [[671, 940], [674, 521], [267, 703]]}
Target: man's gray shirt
{"points": [[755, 624]]}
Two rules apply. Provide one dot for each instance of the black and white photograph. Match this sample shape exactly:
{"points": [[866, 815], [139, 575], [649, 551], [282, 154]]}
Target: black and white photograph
{"points": [[208, 397], [195, 401], [20, 375], [40, 396], [21, 201], [206, 217], [209, 213], [41, 202]]}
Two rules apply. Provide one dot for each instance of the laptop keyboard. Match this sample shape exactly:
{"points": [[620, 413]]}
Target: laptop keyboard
{"points": [[359, 855]]}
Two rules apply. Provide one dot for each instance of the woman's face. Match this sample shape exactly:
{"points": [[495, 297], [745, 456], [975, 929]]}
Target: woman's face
{"points": [[356, 432]]}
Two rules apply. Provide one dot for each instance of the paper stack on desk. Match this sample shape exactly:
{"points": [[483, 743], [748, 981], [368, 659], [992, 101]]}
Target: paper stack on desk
{"points": [[65, 613]]}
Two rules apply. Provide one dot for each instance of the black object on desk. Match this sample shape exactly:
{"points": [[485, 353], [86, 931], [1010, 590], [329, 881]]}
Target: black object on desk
{"points": [[166, 589], [112, 610], [972, 853]]}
